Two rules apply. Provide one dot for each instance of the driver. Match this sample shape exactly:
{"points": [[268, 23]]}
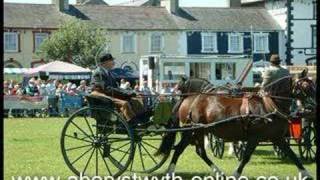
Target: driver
{"points": [[274, 72], [104, 84]]}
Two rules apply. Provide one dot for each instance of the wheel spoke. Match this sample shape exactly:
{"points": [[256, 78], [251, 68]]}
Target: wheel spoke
{"points": [[97, 171], [81, 130], [125, 154], [118, 140], [89, 126], [81, 156], [149, 154], [85, 168], [115, 162], [132, 159], [77, 138], [141, 158], [149, 145], [117, 150], [78, 147], [105, 163], [114, 149]]}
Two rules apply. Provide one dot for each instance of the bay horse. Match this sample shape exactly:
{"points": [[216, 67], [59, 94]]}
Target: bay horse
{"points": [[273, 101]]}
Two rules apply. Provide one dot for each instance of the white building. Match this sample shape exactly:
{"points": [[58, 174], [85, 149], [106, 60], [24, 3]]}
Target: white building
{"points": [[298, 19]]}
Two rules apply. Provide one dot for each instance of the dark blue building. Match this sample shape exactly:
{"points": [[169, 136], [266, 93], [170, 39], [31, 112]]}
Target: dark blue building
{"points": [[231, 31]]}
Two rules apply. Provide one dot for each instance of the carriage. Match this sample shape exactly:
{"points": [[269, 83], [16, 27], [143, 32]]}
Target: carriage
{"points": [[97, 140], [301, 134], [110, 143]]}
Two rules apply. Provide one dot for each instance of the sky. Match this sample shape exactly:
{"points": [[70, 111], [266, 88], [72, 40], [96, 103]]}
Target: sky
{"points": [[184, 3]]}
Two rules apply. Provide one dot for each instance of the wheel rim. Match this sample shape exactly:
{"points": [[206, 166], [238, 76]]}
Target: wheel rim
{"points": [[144, 159], [239, 149], [92, 149], [307, 147], [217, 146]]}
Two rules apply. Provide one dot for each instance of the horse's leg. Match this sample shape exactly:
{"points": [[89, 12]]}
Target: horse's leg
{"points": [[285, 147], [251, 146], [200, 149], [178, 150]]}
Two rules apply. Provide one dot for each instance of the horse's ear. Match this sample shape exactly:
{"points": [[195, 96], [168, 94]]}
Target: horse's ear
{"points": [[183, 78], [304, 73]]}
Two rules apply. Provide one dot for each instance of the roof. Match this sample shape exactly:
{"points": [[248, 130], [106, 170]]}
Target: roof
{"points": [[141, 18], [99, 2], [226, 19], [140, 3], [32, 15]]}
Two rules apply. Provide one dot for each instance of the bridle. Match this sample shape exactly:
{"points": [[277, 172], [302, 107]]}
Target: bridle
{"points": [[304, 93]]}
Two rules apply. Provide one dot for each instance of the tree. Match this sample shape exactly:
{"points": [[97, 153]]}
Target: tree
{"points": [[76, 41]]}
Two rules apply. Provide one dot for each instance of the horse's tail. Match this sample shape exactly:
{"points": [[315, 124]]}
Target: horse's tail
{"points": [[168, 139]]}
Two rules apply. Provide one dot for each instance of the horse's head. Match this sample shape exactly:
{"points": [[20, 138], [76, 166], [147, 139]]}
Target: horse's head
{"points": [[304, 90], [182, 84]]}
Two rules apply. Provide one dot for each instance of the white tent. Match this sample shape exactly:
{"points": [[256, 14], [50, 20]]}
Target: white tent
{"points": [[60, 70]]}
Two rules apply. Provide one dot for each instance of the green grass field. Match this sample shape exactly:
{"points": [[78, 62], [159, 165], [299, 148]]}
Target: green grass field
{"points": [[32, 148]]}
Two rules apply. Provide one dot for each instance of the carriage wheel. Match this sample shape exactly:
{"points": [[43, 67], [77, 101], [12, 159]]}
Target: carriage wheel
{"points": [[216, 145], [278, 152], [93, 148], [307, 144], [239, 149], [144, 159]]}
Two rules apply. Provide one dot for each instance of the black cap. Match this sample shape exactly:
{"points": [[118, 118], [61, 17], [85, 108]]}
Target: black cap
{"points": [[106, 57]]}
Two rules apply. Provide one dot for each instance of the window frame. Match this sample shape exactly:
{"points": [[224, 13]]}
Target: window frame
{"points": [[314, 3], [240, 35], [313, 33], [215, 42], [17, 42], [266, 49], [161, 42], [134, 43], [34, 38]]}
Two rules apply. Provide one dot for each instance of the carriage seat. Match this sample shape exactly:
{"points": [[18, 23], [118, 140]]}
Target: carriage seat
{"points": [[99, 100]]}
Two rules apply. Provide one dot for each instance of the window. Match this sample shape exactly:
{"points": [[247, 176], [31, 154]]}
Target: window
{"points": [[38, 39], [173, 70], [11, 42], [156, 44], [314, 36], [226, 71], [235, 43], [209, 42], [261, 43], [128, 43]]}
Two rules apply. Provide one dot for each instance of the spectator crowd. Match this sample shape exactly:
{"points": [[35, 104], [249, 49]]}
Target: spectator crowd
{"points": [[37, 87]]}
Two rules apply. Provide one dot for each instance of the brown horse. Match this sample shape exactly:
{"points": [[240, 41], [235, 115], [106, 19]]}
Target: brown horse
{"points": [[274, 102]]}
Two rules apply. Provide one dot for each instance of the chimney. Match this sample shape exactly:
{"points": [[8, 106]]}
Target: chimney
{"points": [[233, 3], [171, 5], [62, 5]]}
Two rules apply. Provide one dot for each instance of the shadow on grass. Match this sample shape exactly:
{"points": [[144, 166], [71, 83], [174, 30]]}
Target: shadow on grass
{"points": [[286, 160]]}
